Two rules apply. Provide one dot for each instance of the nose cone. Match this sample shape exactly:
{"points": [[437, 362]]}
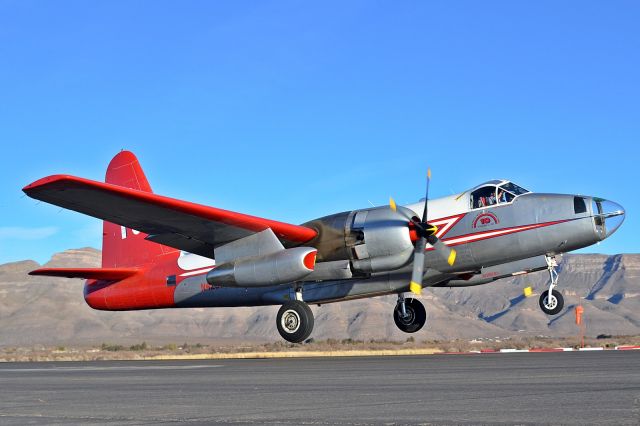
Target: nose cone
{"points": [[608, 216]]}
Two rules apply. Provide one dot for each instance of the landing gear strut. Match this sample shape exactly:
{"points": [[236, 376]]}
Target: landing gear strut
{"points": [[409, 314], [551, 301], [295, 321]]}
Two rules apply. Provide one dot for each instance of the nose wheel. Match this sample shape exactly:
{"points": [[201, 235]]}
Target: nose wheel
{"points": [[295, 321], [551, 305], [409, 314], [551, 301]]}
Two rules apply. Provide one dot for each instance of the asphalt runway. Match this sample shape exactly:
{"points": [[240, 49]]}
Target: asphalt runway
{"points": [[555, 388]]}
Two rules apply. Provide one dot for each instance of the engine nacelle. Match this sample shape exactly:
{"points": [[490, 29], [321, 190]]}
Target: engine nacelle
{"points": [[374, 240], [282, 267]]}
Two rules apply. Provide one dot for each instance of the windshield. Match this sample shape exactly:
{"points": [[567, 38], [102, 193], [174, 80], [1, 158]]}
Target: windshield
{"points": [[513, 188]]}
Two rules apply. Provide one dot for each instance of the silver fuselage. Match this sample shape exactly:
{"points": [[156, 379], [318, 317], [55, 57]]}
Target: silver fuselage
{"points": [[492, 242]]}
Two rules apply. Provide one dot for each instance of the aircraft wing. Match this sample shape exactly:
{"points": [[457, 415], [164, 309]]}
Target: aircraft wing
{"points": [[186, 226]]}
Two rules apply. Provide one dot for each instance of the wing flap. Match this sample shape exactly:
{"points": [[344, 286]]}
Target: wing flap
{"points": [[109, 274], [180, 224]]}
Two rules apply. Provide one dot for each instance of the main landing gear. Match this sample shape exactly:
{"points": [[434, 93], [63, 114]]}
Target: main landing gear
{"points": [[295, 320], [409, 314], [551, 301]]}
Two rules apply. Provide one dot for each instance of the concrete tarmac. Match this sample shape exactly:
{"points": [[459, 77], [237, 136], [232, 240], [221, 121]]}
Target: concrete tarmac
{"points": [[535, 388]]}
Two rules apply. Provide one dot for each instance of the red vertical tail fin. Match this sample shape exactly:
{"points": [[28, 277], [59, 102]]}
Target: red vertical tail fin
{"points": [[123, 247]]}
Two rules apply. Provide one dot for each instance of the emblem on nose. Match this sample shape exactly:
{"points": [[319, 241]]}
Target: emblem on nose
{"points": [[485, 219]]}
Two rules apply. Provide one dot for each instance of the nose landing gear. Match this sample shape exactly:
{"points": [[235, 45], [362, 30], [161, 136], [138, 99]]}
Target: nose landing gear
{"points": [[551, 301], [409, 314]]}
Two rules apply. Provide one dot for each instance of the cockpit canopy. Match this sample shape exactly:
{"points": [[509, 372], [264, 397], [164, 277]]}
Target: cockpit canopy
{"points": [[494, 192]]}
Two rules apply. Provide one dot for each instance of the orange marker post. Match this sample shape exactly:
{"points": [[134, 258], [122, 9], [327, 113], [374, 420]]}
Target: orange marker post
{"points": [[580, 323], [579, 312]]}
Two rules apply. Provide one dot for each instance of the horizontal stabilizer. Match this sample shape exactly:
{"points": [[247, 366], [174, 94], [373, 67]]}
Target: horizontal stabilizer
{"points": [[109, 274]]}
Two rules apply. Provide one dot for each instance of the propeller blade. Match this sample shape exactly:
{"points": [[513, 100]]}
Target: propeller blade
{"points": [[392, 204], [446, 252], [431, 230], [418, 267], [403, 212], [426, 232], [451, 259], [426, 197]]}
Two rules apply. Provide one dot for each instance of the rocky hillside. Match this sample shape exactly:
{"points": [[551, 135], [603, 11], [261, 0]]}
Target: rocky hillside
{"points": [[51, 311]]}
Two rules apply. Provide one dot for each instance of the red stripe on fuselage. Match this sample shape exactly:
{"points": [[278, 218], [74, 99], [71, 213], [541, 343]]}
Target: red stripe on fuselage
{"points": [[494, 233]]}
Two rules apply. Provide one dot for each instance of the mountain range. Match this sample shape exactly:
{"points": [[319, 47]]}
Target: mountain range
{"points": [[52, 311]]}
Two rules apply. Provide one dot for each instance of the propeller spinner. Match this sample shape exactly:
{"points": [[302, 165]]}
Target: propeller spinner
{"points": [[426, 234]]}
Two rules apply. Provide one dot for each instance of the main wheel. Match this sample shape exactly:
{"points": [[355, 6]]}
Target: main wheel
{"points": [[414, 320], [295, 321], [553, 305]]}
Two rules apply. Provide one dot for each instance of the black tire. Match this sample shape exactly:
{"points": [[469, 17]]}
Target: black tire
{"points": [[295, 321], [556, 305], [415, 319]]}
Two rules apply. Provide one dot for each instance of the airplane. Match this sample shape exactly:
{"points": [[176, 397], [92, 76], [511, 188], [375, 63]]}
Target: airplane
{"points": [[160, 252]]}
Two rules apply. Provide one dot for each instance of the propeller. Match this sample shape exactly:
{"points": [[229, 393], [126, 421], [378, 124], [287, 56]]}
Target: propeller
{"points": [[426, 234]]}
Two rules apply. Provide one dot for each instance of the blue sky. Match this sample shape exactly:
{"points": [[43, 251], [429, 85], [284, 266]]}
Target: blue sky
{"points": [[294, 110]]}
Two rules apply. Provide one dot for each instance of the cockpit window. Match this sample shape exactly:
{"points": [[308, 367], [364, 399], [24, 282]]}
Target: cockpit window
{"points": [[483, 197], [505, 196], [579, 206], [513, 188], [491, 194]]}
